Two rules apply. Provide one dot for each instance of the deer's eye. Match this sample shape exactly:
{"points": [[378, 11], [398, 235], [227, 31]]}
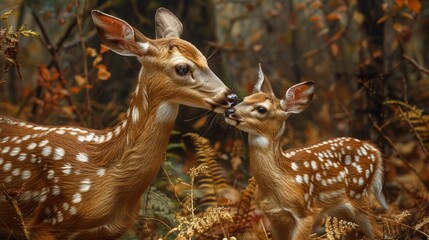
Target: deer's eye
{"points": [[182, 69], [261, 109]]}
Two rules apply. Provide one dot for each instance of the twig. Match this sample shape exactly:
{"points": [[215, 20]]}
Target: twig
{"points": [[388, 140], [393, 221], [12, 197], [415, 64], [54, 55], [328, 43], [85, 61]]}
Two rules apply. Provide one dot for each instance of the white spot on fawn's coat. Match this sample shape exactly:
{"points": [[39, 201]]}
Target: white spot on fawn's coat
{"points": [[82, 157]]}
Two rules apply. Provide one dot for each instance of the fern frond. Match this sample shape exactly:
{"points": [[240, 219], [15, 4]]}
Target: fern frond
{"points": [[416, 117], [243, 218], [335, 228], [213, 184]]}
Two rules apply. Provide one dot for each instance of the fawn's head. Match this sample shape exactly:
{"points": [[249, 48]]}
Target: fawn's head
{"points": [[181, 70], [262, 113]]}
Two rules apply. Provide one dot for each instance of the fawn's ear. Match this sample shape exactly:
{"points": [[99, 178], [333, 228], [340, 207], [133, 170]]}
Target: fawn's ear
{"points": [[120, 36], [298, 97], [167, 24], [262, 85]]}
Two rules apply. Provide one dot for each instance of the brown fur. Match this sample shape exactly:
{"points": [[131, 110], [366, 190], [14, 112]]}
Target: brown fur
{"points": [[298, 185], [86, 183]]}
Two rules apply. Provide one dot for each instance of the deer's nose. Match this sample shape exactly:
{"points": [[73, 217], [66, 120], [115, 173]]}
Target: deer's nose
{"points": [[229, 111], [232, 98]]}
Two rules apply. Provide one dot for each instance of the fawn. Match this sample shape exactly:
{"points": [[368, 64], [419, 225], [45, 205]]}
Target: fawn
{"points": [[295, 186], [87, 184]]}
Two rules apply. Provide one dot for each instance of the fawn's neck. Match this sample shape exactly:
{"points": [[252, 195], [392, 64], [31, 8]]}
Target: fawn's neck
{"points": [[264, 154], [139, 151]]}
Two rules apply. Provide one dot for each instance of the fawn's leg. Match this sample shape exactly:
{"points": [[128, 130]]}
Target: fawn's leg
{"points": [[303, 228]]}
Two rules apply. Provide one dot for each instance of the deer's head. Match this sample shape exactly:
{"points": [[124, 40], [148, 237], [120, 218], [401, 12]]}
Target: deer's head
{"points": [[173, 66], [262, 113]]}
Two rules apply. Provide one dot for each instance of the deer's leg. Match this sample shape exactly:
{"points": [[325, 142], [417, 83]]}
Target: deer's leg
{"points": [[303, 228], [282, 230], [357, 212]]}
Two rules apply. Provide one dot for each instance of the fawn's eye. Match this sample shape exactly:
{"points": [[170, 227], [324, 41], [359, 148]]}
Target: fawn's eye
{"points": [[182, 69], [261, 109]]}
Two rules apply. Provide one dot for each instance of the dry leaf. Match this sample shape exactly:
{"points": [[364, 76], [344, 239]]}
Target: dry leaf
{"points": [[334, 49], [45, 73], [97, 60], [103, 48], [80, 80], [102, 73], [333, 16], [91, 52]]}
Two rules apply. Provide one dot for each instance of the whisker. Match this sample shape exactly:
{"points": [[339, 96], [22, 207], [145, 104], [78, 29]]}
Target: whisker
{"points": [[198, 116]]}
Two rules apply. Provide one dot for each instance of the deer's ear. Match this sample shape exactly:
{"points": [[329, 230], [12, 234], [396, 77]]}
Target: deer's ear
{"points": [[298, 97], [262, 85], [167, 24], [119, 36]]}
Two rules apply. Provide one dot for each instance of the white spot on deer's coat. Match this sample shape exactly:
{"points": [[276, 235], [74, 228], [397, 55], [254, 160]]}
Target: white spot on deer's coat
{"points": [[85, 185], [66, 169], [43, 143], [73, 210], [314, 165], [7, 167], [15, 151], [166, 112], [56, 190], [81, 138], [60, 216], [77, 198], [51, 174], [8, 179], [58, 153], [294, 166], [82, 157], [31, 146], [259, 141], [66, 206], [46, 151], [360, 181], [16, 172], [22, 157], [5, 150], [298, 179], [306, 164], [367, 173], [26, 174], [135, 115], [101, 172], [348, 160]]}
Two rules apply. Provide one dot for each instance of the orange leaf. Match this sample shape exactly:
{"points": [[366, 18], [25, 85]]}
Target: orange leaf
{"points": [[383, 19], [414, 5], [299, 6], [334, 49], [333, 16], [91, 52], [103, 48], [80, 80], [314, 18], [97, 60], [103, 74], [44, 73], [400, 3], [74, 89], [316, 5]]}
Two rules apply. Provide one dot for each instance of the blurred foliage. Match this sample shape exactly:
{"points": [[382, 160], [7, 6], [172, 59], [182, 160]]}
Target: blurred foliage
{"points": [[369, 59]]}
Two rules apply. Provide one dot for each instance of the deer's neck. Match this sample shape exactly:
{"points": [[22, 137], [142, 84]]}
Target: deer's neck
{"points": [[143, 137], [264, 156]]}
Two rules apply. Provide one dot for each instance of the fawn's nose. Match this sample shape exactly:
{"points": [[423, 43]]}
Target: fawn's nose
{"points": [[232, 98], [229, 111]]}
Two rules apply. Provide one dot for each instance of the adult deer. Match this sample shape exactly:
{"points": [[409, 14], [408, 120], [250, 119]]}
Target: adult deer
{"points": [[87, 184], [295, 186]]}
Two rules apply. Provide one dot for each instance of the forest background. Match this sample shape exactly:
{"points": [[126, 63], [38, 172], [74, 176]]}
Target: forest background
{"points": [[369, 59]]}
